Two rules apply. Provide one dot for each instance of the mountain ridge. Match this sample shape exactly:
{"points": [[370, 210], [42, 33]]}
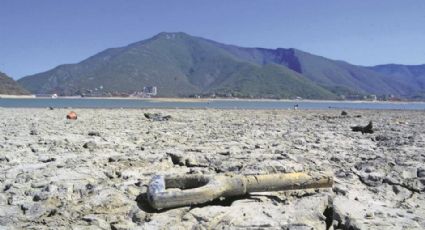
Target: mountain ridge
{"points": [[182, 65], [8, 86]]}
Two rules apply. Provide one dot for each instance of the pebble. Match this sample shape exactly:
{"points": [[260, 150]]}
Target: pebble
{"points": [[89, 145], [94, 133], [122, 225], [39, 184], [421, 172], [33, 132], [369, 215]]}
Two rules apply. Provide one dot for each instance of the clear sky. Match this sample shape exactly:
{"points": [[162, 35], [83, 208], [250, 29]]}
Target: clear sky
{"points": [[37, 35]]}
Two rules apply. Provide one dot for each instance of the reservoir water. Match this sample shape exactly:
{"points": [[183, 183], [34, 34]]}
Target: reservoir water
{"points": [[213, 104]]}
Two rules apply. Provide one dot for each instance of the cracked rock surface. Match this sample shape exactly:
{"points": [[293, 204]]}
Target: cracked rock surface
{"points": [[92, 172]]}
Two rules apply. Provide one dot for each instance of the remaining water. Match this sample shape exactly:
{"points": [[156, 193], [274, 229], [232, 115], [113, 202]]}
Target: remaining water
{"points": [[214, 104]]}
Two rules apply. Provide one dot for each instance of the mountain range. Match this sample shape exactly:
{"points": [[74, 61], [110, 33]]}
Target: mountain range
{"points": [[9, 87], [181, 65]]}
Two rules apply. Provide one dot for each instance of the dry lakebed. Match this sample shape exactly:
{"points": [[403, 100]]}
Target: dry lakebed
{"points": [[92, 173]]}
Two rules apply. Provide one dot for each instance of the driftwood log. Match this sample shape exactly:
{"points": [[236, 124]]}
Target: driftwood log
{"points": [[198, 189]]}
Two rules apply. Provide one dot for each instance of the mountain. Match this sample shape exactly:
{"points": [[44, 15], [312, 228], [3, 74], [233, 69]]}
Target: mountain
{"points": [[10, 87], [183, 65], [409, 77], [336, 76], [179, 65]]}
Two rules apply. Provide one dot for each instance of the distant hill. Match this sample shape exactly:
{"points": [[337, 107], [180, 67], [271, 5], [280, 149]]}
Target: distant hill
{"points": [[411, 78], [336, 76], [179, 65], [183, 65], [10, 87]]}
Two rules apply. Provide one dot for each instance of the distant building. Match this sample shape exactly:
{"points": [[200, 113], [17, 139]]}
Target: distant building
{"points": [[150, 90], [138, 94], [355, 97], [373, 97], [147, 92], [46, 95]]}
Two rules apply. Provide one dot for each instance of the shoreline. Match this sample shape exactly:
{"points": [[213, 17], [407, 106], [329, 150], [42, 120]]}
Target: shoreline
{"points": [[203, 100], [192, 103]]}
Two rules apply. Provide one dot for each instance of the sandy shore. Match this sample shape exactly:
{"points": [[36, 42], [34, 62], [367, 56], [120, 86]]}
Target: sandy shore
{"points": [[16, 96], [93, 172]]}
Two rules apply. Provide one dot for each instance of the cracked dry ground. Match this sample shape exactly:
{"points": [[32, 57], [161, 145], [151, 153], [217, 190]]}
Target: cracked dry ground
{"points": [[92, 172]]}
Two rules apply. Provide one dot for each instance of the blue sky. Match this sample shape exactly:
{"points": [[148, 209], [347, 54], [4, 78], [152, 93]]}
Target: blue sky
{"points": [[38, 35]]}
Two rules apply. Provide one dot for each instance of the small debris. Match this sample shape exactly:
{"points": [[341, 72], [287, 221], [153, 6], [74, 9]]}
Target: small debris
{"points": [[157, 117], [122, 225], [7, 187], [71, 115], [46, 159], [421, 172], [344, 113], [138, 217], [39, 184], [112, 159], [363, 129], [177, 159], [3, 158], [40, 197], [226, 153], [94, 133], [33, 132], [369, 215], [89, 145]]}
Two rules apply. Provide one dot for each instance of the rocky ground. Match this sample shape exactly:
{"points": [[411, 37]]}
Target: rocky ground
{"points": [[92, 172]]}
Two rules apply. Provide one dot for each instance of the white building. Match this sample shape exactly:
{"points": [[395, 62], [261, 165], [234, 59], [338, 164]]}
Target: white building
{"points": [[150, 90]]}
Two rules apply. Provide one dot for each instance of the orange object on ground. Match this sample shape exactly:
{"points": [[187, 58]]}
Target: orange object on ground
{"points": [[71, 115]]}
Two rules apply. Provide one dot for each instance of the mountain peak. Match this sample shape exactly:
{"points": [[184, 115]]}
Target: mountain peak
{"points": [[171, 35]]}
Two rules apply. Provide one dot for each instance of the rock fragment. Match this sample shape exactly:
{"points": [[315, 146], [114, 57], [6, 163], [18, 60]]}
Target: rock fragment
{"points": [[363, 129], [33, 132], [89, 145], [94, 133], [157, 117], [421, 172]]}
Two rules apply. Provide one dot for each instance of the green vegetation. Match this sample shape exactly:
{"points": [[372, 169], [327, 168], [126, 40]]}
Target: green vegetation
{"points": [[408, 79], [10, 87], [183, 65]]}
